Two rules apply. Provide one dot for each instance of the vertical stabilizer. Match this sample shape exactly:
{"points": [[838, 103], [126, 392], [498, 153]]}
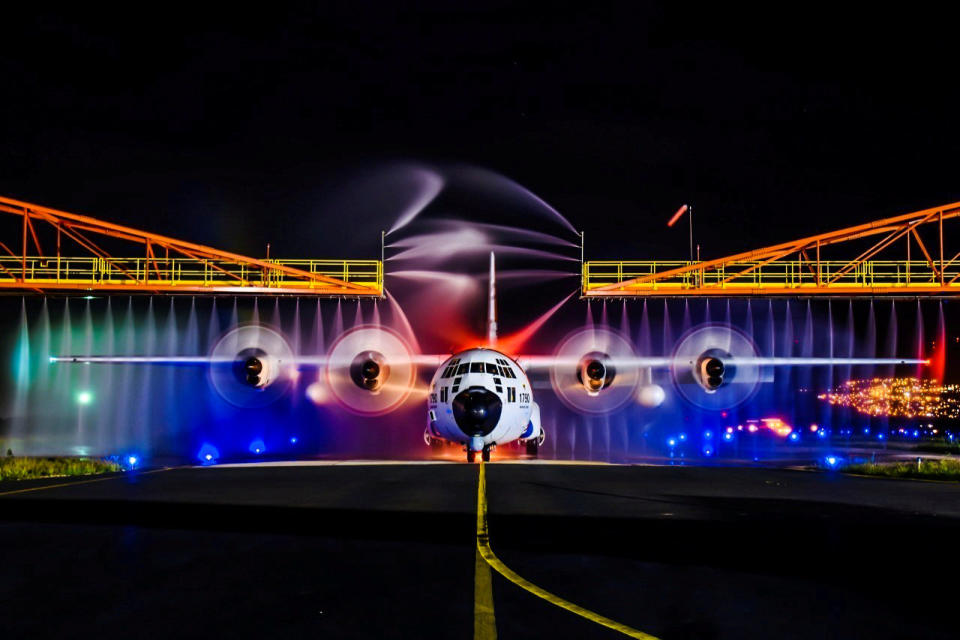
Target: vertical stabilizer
{"points": [[492, 308]]}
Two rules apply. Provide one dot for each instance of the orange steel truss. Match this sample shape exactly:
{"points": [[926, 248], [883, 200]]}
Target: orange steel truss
{"points": [[193, 268], [797, 268]]}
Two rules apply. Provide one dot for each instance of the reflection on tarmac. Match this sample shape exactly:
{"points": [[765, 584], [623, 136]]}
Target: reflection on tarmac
{"points": [[365, 549]]}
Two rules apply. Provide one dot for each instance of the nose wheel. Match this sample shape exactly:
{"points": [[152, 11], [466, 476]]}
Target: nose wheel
{"points": [[484, 455]]}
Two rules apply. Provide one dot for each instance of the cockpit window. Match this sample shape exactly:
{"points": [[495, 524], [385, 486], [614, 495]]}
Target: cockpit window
{"points": [[476, 367], [492, 368], [462, 369]]}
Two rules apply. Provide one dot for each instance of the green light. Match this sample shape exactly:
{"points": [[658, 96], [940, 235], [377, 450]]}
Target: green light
{"points": [[84, 397]]}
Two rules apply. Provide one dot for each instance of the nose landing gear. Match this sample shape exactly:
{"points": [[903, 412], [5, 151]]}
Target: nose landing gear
{"points": [[484, 454]]}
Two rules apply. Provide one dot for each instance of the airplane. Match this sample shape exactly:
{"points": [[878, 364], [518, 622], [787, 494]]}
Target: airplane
{"points": [[482, 397]]}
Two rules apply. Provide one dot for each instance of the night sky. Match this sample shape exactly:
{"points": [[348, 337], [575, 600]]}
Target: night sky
{"points": [[235, 127]]}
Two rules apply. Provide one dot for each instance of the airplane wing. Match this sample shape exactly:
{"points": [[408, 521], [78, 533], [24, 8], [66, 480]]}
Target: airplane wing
{"points": [[533, 363], [423, 359], [536, 362], [816, 362], [175, 360]]}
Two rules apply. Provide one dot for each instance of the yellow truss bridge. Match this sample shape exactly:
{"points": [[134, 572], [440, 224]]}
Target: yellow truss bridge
{"points": [[165, 265], [796, 268]]}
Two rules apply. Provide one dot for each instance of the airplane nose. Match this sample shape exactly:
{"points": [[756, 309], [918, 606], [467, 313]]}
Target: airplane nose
{"points": [[476, 411]]}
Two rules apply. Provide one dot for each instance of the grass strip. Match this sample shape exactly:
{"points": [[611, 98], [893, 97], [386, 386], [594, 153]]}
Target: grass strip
{"points": [[26, 468], [926, 469]]}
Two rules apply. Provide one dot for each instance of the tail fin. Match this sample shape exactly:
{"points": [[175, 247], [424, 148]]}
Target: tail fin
{"points": [[492, 308]]}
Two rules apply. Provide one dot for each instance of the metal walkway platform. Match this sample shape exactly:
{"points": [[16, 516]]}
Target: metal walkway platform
{"points": [[166, 265], [798, 268]]}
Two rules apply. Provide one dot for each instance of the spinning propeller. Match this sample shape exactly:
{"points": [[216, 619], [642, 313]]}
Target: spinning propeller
{"points": [[370, 370], [716, 367], [251, 366]]}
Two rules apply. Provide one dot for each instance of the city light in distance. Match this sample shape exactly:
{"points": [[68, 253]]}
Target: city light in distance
{"points": [[897, 397]]}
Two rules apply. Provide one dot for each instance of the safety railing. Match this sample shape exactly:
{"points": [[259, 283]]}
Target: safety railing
{"points": [[651, 277], [173, 273]]}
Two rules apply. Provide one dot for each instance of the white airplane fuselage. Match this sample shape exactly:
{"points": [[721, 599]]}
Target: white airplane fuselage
{"points": [[481, 398]]}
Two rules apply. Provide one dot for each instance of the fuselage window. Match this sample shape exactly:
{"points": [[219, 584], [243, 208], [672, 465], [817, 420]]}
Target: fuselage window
{"points": [[511, 394], [476, 367], [443, 393], [492, 368], [462, 369], [509, 372]]}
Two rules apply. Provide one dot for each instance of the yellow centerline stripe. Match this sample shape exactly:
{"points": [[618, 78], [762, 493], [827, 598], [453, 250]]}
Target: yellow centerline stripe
{"points": [[484, 620], [483, 546], [70, 484]]}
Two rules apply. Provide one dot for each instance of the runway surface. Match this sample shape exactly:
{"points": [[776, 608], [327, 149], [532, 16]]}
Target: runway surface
{"points": [[389, 551]]}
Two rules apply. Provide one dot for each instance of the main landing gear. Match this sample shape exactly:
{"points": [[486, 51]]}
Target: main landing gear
{"points": [[533, 445]]}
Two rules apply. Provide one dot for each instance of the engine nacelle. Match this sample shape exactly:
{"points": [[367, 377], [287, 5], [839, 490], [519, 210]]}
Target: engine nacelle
{"points": [[369, 370], [711, 371], [594, 372], [256, 368]]}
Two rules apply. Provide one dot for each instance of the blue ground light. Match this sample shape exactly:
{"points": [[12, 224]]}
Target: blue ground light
{"points": [[208, 454]]}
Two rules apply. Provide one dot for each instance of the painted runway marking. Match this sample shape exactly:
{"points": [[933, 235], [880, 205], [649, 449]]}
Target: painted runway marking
{"points": [[71, 484], [483, 548], [484, 620]]}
